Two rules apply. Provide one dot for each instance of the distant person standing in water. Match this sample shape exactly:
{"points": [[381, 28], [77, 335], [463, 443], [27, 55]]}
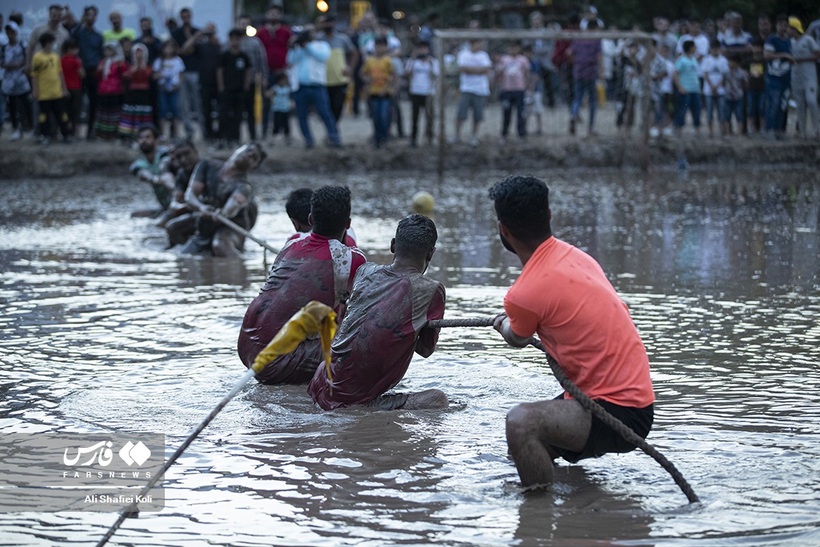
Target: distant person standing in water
{"points": [[564, 297]]}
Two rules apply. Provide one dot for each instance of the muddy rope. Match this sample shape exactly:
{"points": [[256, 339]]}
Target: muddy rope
{"points": [[596, 409]]}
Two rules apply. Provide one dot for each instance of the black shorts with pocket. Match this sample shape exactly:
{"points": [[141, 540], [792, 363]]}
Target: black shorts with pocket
{"points": [[604, 440]]}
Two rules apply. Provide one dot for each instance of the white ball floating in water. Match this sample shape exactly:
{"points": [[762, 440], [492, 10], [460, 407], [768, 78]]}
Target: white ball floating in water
{"points": [[423, 203]]}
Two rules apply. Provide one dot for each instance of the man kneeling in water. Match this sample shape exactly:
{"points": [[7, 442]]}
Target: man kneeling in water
{"points": [[386, 321], [223, 190]]}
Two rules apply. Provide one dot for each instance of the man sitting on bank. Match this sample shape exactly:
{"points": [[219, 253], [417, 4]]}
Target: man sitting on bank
{"points": [[386, 322], [222, 189], [314, 266], [564, 296]]}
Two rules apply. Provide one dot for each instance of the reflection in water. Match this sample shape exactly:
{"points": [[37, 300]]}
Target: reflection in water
{"points": [[104, 330]]}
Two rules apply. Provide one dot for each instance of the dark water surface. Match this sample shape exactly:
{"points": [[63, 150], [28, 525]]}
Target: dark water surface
{"points": [[103, 330]]}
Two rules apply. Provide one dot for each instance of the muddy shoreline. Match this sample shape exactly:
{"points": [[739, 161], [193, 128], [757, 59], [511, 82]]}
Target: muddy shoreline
{"points": [[29, 160]]}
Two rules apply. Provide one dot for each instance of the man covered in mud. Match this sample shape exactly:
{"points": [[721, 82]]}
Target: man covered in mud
{"points": [[153, 167], [221, 190], [386, 322], [564, 296], [311, 266], [180, 219]]}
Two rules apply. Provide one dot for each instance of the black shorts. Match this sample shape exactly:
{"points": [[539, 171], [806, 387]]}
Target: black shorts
{"points": [[604, 440]]}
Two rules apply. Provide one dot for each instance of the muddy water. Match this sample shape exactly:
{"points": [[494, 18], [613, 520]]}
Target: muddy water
{"points": [[104, 330]]}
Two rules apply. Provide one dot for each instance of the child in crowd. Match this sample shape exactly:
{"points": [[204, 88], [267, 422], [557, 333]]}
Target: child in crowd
{"points": [[423, 71], [687, 83], [534, 97], [110, 91], [513, 70], [632, 88], [661, 71], [714, 68], [73, 74], [49, 88], [737, 82], [281, 106], [167, 71], [138, 109], [378, 73], [16, 86]]}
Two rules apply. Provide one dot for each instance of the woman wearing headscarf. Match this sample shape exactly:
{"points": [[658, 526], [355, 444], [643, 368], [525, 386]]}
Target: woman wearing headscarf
{"points": [[110, 90], [138, 108]]}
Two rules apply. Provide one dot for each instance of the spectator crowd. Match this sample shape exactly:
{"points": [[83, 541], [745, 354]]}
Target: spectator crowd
{"points": [[247, 83]]}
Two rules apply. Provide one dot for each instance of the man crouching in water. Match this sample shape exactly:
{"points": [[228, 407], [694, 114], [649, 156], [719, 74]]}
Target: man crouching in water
{"points": [[564, 296], [386, 322], [223, 190], [311, 266]]}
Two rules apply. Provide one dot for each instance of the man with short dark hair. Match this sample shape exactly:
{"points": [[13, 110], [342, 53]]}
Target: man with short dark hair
{"points": [[343, 57], [90, 44], [54, 26], [222, 190], [564, 297], [385, 323], [152, 167], [275, 36], [180, 220], [190, 101], [311, 266]]}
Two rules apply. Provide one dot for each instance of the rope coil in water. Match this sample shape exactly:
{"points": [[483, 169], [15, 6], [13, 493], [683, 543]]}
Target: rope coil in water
{"points": [[587, 403]]}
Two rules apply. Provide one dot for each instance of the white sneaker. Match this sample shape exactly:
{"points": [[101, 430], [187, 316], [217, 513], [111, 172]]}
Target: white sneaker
{"points": [[668, 131], [15, 136], [654, 132], [474, 142]]}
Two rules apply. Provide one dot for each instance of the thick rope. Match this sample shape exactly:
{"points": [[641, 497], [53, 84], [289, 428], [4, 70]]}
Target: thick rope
{"points": [[596, 409]]}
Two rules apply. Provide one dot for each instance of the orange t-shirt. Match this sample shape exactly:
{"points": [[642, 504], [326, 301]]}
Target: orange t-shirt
{"points": [[563, 295]]}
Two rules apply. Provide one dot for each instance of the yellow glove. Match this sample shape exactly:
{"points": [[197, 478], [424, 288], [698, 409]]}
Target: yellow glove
{"points": [[314, 318]]}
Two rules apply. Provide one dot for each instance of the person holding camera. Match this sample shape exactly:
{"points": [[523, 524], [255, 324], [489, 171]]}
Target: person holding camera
{"points": [[308, 59], [422, 71]]}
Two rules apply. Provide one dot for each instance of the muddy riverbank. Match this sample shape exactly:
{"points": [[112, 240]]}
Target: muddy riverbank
{"points": [[555, 148]]}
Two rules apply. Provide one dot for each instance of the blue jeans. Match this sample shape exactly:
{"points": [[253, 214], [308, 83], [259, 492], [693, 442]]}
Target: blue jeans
{"points": [[585, 86], [756, 102], [169, 104], [690, 102], [712, 105], [315, 95], [734, 107], [380, 112], [510, 99], [776, 94]]}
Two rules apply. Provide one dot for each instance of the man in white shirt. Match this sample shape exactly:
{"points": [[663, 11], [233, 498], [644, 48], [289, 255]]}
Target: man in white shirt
{"points": [[422, 71], [474, 66], [696, 35]]}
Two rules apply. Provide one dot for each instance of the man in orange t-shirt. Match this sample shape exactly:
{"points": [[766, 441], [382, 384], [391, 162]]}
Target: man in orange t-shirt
{"points": [[564, 296]]}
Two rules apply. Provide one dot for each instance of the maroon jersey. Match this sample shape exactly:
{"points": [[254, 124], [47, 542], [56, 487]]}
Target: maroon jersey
{"points": [[309, 267], [385, 323]]}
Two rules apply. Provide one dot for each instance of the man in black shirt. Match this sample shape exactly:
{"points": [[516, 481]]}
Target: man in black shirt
{"points": [[233, 81]]}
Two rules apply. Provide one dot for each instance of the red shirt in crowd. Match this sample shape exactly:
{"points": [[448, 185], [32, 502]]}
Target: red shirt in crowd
{"points": [[71, 72], [276, 46]]}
